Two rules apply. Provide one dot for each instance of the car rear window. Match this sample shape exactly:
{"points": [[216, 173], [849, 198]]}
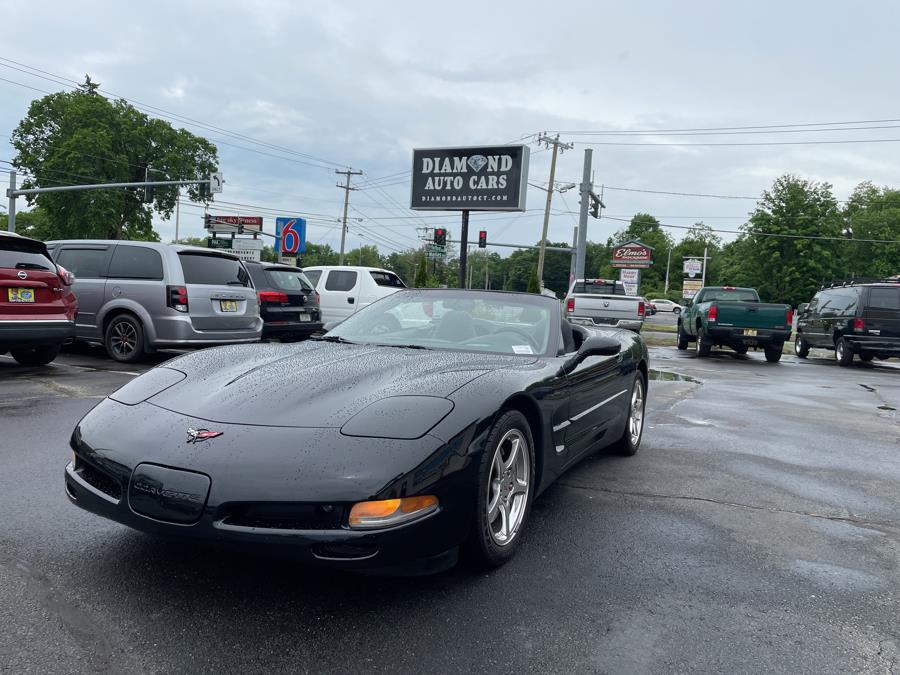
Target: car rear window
{"points": [[340, 280], [22, 255], [387, 279], [213, 270], [135, 262], [288, 280], [884, 298], [599, 287], [731, 296]]}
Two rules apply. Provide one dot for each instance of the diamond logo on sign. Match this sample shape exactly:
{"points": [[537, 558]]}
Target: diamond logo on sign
{"points": [[477, 162]]}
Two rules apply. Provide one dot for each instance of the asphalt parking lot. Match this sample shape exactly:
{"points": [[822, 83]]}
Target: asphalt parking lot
{"points": [[758, 529]]}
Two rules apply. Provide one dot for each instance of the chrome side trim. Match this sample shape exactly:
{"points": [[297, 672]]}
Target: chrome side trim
{"points": [[560, 449], [594, 407], [14, 322], [561, 425]]}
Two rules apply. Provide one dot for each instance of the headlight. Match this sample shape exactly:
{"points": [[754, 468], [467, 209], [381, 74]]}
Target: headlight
{"points": [[149, 384], [390, 512]]}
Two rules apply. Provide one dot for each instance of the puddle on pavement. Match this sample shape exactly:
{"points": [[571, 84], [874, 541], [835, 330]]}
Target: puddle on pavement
{"points": [[666, 376]]}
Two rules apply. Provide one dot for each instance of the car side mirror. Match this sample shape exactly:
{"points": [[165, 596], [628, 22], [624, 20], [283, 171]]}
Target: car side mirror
{"points": [[593, 345]]}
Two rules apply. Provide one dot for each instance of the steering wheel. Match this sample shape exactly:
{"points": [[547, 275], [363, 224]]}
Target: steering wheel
{"points": [[520, 333]]}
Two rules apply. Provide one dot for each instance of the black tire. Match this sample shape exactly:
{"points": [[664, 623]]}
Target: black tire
{"points": [[801, 347], [773, 352], [124, 339], [682, 338], [704, 346], [483, 547], [739, 349], [629, 443], [843, 354], [36, 356], [866, 356]]}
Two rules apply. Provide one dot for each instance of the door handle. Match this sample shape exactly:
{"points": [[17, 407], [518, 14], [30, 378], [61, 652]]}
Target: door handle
{"points": [[350, 300]]}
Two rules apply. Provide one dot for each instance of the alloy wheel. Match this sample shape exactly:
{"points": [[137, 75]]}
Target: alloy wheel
{"points": [[508, 487], [636, 415], [124, 338]]}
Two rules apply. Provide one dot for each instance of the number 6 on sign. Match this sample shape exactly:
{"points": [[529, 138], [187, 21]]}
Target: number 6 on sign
{"points": [[290, 236]]}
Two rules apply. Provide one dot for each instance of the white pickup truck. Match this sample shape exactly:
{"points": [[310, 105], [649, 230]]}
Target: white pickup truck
{"points": [[602, 302]]}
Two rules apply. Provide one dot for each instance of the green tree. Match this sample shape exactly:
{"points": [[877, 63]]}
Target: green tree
{"points": [[534, 286], [81, 137], [872, 213], [33, 223], [790, 269], [646, 229], [317, 254], [364, 256], [422, 273]]}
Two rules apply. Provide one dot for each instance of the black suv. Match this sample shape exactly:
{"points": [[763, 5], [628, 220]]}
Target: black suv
{"points": [[853, 318], [288, 302]]}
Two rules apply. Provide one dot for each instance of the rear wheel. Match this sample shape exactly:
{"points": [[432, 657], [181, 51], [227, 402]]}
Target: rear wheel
{"points": [[801, 347], [704, 346], [505, 487], [773, 352], [682, 338], [630, 441], [37, 356], [842, 352], [124, 339]]}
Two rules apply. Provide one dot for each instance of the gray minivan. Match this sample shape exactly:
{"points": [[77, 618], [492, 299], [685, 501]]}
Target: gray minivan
{"points": [[135, 296]]}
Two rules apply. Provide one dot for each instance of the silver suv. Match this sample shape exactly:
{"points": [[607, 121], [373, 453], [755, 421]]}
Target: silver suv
{"points": [[135, 296]]}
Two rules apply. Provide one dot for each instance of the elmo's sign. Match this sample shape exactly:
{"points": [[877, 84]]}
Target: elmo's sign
{"points": [[632, 254]]}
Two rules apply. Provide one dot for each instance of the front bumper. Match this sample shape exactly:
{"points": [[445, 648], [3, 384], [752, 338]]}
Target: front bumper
{"points": [[309, 488], [726, 335], [26, 334]]}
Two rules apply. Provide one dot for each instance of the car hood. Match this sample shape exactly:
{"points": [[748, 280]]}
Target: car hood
{"points": [[314, 384]]}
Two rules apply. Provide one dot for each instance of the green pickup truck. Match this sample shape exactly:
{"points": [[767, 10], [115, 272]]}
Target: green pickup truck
{"points": [[734, 317]]}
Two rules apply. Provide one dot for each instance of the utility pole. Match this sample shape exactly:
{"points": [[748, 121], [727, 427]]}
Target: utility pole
{"points": [[346, 188], [177, 213], [668, 265], [11, 223], [705, 251], [586, 189], [573, 256], [557, 146]]}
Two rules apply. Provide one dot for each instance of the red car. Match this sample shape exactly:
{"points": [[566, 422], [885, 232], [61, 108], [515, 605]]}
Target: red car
{"points": [[37, 305]]}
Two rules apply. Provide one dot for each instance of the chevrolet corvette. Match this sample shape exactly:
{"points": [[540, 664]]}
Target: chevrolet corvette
{"points": [[421, 428]]}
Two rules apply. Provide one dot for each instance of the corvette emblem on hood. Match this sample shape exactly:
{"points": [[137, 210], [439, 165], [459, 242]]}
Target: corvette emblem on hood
{"points": [[197, 435]]}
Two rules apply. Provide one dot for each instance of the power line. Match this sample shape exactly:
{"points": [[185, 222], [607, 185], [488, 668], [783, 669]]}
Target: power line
{"points": [[741, 128], [760, 143]]}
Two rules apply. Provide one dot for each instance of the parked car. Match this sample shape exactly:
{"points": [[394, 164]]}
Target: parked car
{"points": [[860, 319], [345, 290], [387, 453], [288, 303], [663, 305], [602, 302], [649, 308], [135, 296], [734, 317], [37, 305]]}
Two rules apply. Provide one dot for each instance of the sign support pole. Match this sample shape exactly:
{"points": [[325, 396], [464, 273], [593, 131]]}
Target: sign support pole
{"points": [[11, 223], [464, 248], [705, 251], [668, 265]]}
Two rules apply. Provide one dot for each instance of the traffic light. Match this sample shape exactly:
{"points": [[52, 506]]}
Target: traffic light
{"points": [[482, 239], [440, 236], [595, 208], [148, 194]]}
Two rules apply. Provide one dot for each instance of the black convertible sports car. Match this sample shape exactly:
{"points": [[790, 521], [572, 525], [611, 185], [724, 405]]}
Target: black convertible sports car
{"points": [[424, 424]]}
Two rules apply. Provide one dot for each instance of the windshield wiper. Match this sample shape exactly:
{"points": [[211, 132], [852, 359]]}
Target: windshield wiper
{"points": [[382, 344], [31, 266], [334, 338]]}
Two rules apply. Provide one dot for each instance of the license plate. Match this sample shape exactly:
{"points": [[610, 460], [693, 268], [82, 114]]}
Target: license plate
{"points": [[21, 295], [228, 305], [304, 317], [750, 331]]}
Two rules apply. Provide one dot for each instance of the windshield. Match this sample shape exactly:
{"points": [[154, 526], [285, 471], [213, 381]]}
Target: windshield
{"points": [[457, 320], [730, 295], [288, 280]]}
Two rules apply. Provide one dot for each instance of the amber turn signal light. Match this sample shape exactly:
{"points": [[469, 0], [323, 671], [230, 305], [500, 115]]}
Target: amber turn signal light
{"points": [[390, 512]]}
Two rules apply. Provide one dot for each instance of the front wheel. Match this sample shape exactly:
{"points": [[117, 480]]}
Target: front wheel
{"points": [[36, 356], [801, 347], [773, 353], [630, 441], [505, 489], [704, 346], [842, 353]]}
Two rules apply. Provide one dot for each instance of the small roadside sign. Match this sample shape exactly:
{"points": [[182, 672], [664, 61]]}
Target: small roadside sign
{"points": [[290, 236], [215, 183], [247, 244], [435, 252], [218, 242]]}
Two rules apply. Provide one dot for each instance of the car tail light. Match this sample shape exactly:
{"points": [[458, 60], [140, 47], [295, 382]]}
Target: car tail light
{"points": [[712, 313], [314, 298], [570, 305], [177, 298], [641, 309], [65, 275], [272, 296], [790, 316], [859, 324]]}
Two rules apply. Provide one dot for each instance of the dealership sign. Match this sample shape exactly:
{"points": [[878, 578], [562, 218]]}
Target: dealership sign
{"points": [[693, 267], [690, 288], [231, 223], [632, 254], [631, 280], [491, 178]]}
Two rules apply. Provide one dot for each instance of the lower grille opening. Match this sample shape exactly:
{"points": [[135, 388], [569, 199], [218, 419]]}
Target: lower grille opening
{"points": [[278, 516], [345, 551], [97, 479]]}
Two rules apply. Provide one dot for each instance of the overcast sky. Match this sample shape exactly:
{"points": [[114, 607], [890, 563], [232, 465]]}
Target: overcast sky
{"points": [[362, 83]]}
